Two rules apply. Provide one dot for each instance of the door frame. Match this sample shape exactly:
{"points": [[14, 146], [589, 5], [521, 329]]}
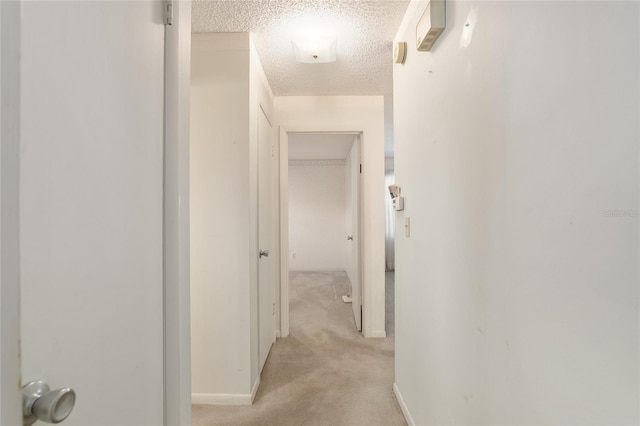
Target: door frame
{"points": [[176, 309], [284, 223], [10, 365], [176, 286]]}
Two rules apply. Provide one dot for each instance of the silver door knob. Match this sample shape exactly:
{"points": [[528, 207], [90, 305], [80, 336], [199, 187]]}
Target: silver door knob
{"points": [[264, 253], [49, 406], [350, 238]]}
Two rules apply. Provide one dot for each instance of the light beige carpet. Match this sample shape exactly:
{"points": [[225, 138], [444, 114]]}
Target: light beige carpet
{"points": [[325, 372]]}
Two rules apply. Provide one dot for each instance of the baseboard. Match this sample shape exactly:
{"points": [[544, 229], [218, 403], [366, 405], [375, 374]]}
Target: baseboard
{"points": [[254, 391], [226, 398], [403, 406], [221, 398], [376, 334], [277, 334]]}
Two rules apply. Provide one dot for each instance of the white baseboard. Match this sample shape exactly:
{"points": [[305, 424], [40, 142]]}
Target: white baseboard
{"points": [[376, 334], [403, 406], [254, 391], [221, 398], [226, 398]]}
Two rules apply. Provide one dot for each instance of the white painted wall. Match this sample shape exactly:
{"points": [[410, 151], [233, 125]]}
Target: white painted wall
{"points": [[353, 114], [227, 90], [317, 208], [219, 181], [388, 126], [220, 214], [516, 138]]}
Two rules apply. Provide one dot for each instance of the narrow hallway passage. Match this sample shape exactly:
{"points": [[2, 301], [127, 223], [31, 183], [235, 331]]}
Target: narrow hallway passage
{"points": [[325, 372]]}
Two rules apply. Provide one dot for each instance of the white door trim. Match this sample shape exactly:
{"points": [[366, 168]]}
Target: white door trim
{"points": [[177, 316], [284, 225], [10, 385]]}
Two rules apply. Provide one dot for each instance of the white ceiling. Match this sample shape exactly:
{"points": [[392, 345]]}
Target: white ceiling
{"points": [[319, 146], [365, 31]]}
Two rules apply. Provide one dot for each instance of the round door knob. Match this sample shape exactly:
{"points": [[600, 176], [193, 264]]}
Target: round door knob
{"points": [[54, 406], [49, 406]]}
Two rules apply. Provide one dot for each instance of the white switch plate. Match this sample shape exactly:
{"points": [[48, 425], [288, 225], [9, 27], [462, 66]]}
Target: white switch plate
{"points": [[407, 227]]}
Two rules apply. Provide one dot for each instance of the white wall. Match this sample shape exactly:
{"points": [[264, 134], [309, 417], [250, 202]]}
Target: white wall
{"points": [[317, 209], [228, 88], [353, 114], [388, 126], [220, 266], [517, 291]]}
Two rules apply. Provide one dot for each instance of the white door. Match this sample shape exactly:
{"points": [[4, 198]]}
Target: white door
{"points": [[91, 200], [265, 274], [354, 271], [10, 398]]}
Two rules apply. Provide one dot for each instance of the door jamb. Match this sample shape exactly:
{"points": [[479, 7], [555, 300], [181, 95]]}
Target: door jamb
{"points": [[10, 364], [284, 222], [176, 264]]}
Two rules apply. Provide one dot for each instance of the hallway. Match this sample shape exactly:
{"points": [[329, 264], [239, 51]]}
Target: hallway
{"points": [[324, 373]]}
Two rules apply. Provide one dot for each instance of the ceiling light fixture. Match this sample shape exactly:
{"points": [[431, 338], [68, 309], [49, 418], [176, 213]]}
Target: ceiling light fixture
{"points": [[315, 46]]}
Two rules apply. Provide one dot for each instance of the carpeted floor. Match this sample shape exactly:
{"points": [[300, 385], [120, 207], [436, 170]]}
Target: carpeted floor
{"points": [[325, 372]]}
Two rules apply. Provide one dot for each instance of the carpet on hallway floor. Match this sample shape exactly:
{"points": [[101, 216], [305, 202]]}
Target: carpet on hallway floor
{"points": [[324, 372]]}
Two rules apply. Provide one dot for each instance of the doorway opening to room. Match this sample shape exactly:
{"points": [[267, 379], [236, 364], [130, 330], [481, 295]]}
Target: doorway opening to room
{"points": [[321, 233]]}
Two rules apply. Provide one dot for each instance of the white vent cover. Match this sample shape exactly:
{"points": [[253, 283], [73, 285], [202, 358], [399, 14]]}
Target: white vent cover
{"points": [[430, 25]]}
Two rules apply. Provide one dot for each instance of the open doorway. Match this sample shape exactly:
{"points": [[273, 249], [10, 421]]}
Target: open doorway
{"points": [[324, 217], [306, 155]]}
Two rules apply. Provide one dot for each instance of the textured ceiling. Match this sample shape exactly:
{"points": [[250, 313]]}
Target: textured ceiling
{"points": [[319, 146], [365, 31]]}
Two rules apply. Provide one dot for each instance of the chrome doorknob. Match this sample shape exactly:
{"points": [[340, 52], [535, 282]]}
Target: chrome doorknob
{"points": [[264, 253], [49, 406]]}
